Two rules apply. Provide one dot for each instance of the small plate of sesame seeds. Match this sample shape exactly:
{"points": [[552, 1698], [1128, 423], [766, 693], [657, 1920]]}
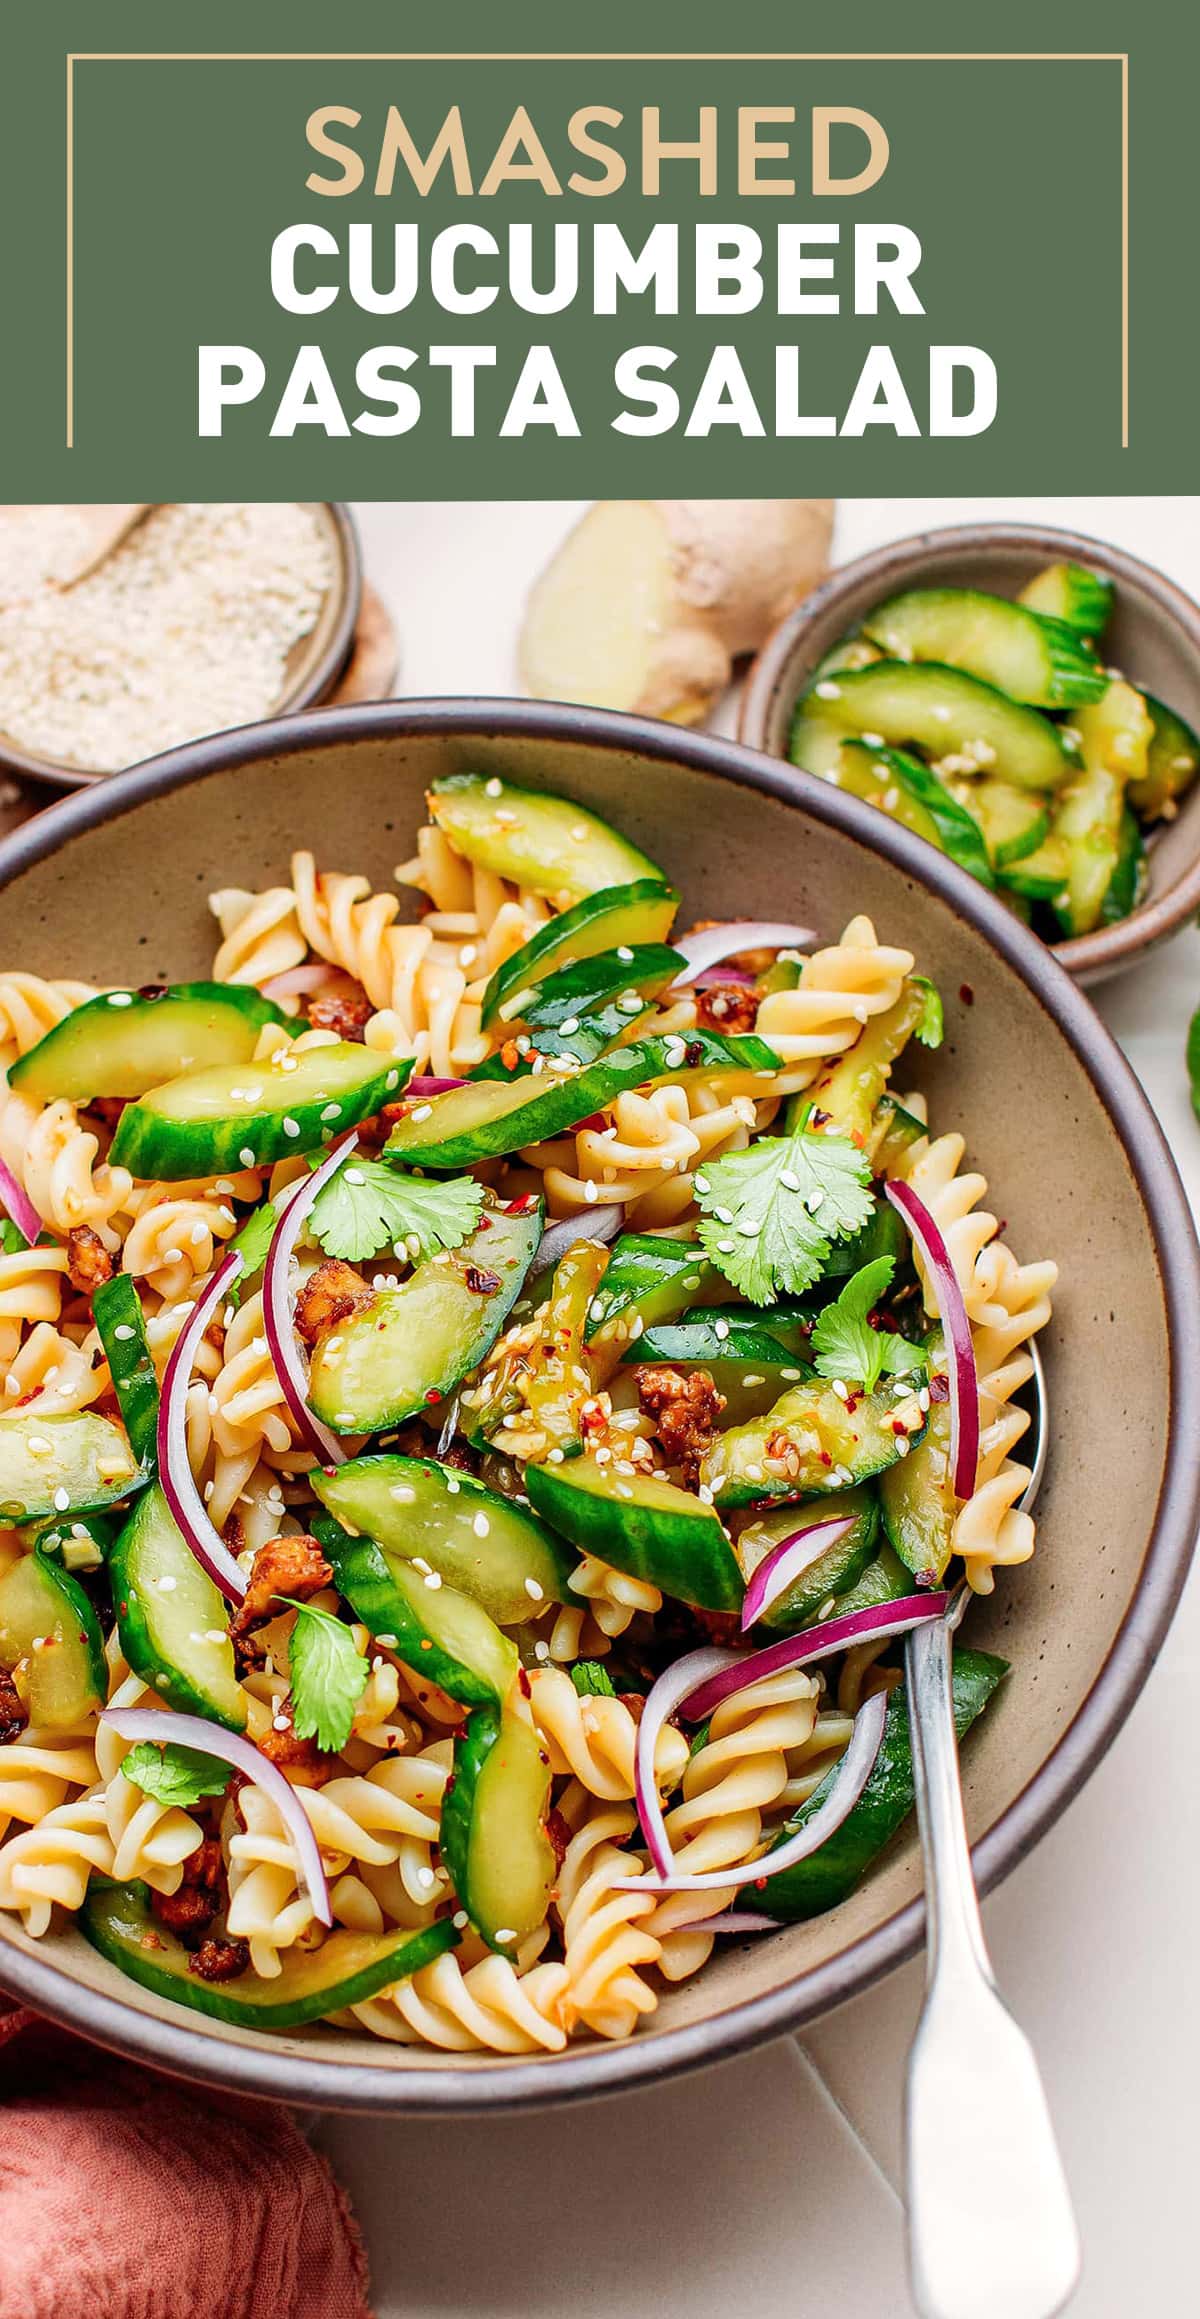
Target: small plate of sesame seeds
{"points": [[201, 617]]}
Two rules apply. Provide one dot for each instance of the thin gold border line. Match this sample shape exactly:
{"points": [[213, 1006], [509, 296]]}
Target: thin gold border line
{"points": [[597, 56]]}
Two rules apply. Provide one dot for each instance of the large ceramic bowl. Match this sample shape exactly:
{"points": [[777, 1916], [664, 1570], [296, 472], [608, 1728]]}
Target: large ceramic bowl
{"points": [[1154, 636], [111, 886]]}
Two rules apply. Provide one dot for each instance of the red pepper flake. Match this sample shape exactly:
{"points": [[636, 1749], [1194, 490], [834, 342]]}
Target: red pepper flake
{"points": [[510, 1054], [966, 994], [819, 1118], [433, 1397], [939, 1388], [824, 1456], [519, 1207], [482, 1283], [524, 1684], [694, 1054], [595, 1120]]}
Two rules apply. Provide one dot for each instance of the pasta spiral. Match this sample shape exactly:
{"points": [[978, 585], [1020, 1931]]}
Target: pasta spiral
{"points": [[646, 1157], [260, 934], [607, 1941], [29, 1007], [49, 1866], [37, 1770], [595, 1739], [838, 992], [489, 2008], [56, 1160]]}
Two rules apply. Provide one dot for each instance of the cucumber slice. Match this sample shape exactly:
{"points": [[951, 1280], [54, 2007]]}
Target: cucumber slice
{"points": [[493, 1833], [1172, 761], [486, 1120], [61, 1465], [408, 1348], [1023, 653], [1042, 875], [615, 918], [916, 1500], [642, 1525], [884, 1580], [883, 1234], [841, 1566], [347, 1969], [172, 1620], [942, 711], [854, 1085], [1128, 881], [862, 772], [214, 1122], [1071, 593], [440, 1633], [810, 1443], [49, 1629], [545, 1384], [829, 1875], [127, 1041], [545, 843], [649, 1280], [853, 652], [585, 1008], [487, 1547], [745, 1361], [1115, 738], [905, 782], [121, 1326], [1014, 821]]}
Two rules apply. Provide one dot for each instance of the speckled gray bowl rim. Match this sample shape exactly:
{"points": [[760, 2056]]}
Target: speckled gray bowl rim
{"points": [[1108, 949], [586, 2072]]}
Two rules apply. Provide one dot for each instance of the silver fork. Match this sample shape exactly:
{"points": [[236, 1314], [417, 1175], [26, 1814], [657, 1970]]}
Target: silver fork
{"points": [[991, 2231]]}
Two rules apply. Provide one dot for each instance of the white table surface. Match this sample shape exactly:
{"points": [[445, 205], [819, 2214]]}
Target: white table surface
{"points": [[768, 2187]]}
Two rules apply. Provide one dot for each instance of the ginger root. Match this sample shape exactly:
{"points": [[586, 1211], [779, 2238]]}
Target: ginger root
{"points": [[649, 601]]}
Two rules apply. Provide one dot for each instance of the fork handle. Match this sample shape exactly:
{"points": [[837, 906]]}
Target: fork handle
{"points": [[991, 2230]]}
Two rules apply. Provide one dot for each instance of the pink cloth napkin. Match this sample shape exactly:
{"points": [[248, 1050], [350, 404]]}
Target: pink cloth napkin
{"points": [[126, 2196]]}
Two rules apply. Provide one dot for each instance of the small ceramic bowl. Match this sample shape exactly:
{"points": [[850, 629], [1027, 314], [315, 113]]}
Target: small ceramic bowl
{"points": [[111, 886], [1154, 637], [314, 665]]}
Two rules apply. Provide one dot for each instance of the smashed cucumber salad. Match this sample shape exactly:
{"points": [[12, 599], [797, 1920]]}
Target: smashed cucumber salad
{"points": [[993, 730], [573, 1519]]}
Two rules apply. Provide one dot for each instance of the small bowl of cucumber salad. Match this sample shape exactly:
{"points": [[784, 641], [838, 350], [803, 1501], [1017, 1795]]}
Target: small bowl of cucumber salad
{"points": [[1025, 699]]}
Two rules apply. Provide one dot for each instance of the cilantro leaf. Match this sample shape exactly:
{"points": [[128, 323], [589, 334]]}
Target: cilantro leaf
{"points": [[592, 1681], [931, 1027], [12, 1239], [329, 1676], [251, 1244], [846, 1346], [368, 1206], [772, 1212], [174, 1774]]}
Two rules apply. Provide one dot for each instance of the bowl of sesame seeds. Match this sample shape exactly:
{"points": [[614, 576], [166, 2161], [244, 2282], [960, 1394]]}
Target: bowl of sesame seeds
{"points": [[201, 617], [1153, 637]]}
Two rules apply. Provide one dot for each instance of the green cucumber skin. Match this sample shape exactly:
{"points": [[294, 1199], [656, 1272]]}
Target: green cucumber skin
{"points": [[1172, 764], [1026, 815], [363, 1403], [593, 982], [651, 1280], [958, 833], [365, 1578], [884, 1580], [463, 1803], [146, 1535], [155, 1147], [116, 1305], [62, 1065], [359, 1493], [1030, 655], [434, 1142], [864, 1444], [1128, 881], [904, 696], [749, 1367], [840, 1567], [687, 1556], [546, 843], [67, 1607], [582, 932], [829, 1876], [92, 1439], [117, 1919], [1069, 592]]}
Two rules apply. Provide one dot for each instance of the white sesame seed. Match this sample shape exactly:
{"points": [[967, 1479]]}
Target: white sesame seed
{"points": [[403, 1495], [167, 1585], [246, 1156], [569, 1026], [507, 1932], [535, 1592], [480, 1525], [120, 998], [291, 1126], [630, 1003], [62, 1499], [460, 1920], [721, 1328], [814, 1201], [723, 1215], [493, 788], [541, 1650], [827, 690], [841, 1388], [123, 1333], [331, 1111], [750, 1227], [38, 1445], [790, 1182], [453, 1485], [288, 1063], [433, 1579], [751, 1377], [554, 1457], [423, 1111], [725, 1247]]}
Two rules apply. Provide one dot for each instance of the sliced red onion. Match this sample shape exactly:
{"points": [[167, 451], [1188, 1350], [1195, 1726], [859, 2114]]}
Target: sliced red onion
{"points": [[952, 1312], [787, 1561], [425, 1087], [188, 1509], [850, 1778], [297, 979], [878, 1624], [449, 1427], [714, 977], [713, 943], [732, 1920], [18, 1205], [660, 1703], [277, 1304], [599, 1223], [162, 1727]]}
